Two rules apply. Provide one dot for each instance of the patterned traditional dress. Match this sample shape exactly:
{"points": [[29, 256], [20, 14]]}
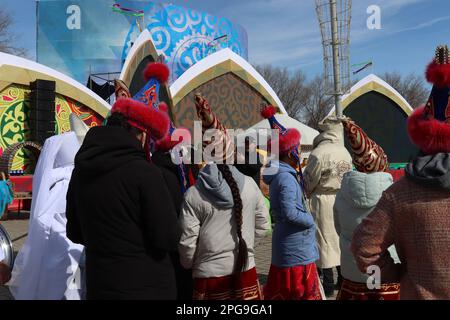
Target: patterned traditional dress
{"points": [[351, 290], [246, 287], [294, 283]]}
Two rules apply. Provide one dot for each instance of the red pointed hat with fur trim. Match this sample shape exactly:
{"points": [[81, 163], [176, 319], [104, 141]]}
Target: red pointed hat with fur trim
{"points": [[289, 139], [140, 116], [429, 126]]}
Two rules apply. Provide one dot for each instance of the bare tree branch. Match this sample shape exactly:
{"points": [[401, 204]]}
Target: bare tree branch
{"points": [[303, 100], [7, 37], [319, 104], [412, 87], [306, 100], [292, 89]]}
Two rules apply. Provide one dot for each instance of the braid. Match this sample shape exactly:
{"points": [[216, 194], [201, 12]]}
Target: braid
{"points": [[241, 263]]}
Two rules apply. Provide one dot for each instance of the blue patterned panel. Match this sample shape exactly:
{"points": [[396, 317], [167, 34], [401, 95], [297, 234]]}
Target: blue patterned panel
{"points": [[185, 36], [80, 37]]}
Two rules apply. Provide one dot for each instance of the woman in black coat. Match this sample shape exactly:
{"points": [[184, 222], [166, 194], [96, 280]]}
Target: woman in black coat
{"points": [[120, 209]]}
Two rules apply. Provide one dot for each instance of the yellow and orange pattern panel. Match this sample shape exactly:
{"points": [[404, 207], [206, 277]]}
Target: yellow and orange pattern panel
{"points": [[14, 120], [65, 106]]}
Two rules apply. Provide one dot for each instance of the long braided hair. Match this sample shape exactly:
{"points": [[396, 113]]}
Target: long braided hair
{"points": [[242, 259]]}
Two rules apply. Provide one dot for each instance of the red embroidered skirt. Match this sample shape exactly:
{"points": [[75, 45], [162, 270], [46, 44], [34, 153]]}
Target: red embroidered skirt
{"points": [[293, 283], [358, 291], [228, 288]]}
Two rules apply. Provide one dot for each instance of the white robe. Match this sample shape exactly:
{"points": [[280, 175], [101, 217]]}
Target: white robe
{"points": [[47, 266]]}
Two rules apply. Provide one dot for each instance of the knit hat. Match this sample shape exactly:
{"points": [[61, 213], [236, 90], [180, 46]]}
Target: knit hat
{"points": [[367, 156], [429, 126], [289, 139]]}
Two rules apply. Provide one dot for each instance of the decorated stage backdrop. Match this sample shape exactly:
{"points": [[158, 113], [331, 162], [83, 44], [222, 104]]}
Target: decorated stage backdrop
{"points": [[70, 38], [14, 120]]}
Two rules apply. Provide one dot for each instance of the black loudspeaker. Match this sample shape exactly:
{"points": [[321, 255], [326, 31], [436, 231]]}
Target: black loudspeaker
{"points": [[42, 110]]}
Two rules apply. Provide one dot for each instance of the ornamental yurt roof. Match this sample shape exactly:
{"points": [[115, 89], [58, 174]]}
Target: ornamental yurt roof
{"points": [[382, 113], [373, 83], [18, 70], [217, 64]]}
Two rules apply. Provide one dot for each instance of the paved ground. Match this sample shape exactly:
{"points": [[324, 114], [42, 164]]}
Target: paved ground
{"points": [[17, 227], [263, 254]]}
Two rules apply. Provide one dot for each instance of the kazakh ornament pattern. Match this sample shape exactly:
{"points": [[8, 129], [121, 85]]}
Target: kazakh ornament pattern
{"points": [[64, 106], [14, 105], [367, 155], [235, 102], [14, 120], [185, 36]]}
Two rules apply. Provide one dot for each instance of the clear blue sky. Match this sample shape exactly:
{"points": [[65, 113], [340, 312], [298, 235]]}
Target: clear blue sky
{"points": [[285, 32]]}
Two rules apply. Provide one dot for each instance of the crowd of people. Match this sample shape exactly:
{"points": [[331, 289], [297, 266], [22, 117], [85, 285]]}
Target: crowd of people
{"points": [[111, 218]]}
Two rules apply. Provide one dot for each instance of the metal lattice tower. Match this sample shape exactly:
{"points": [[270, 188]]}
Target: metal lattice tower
{"points": [[334, 20]]}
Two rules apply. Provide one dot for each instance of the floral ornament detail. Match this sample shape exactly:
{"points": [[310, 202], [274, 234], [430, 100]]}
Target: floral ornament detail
{"points": [[185, 36], [14, 122], [65, 106], [367, 155]]}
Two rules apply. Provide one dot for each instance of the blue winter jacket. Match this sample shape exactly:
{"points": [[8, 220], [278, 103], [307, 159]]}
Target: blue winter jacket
{"points": [[294, 234]]}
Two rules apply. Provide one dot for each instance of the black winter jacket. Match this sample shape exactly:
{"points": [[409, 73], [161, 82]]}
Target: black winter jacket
{"points": [[120, 209]]}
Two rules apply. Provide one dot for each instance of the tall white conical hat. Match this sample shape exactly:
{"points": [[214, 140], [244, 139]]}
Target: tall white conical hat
{"points": [[79, 127]]}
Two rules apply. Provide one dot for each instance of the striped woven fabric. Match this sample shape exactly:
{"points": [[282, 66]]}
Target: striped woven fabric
{"points": [[358, 291], [226, 288]]}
